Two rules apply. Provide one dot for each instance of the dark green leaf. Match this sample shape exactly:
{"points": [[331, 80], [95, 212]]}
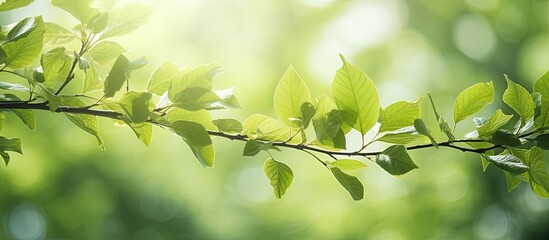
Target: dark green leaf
{"points": [[504, 137], [356, 96], [228, 125], [328, 130], [196, 136], [395, 160], [12, 145], [253, 147], [307, 111], [136, 105], [508, 162], [350, 183], [512, 181], [6, 157], [542, 141], [280, 176]]}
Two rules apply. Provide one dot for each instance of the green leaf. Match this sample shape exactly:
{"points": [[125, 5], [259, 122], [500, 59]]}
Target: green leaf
{"points": [[253, 147], [347, 164], [307, 112], [195, 98], [98, 22], [251, 125], [136, 105], [519, 99], [85, 122], [542, 86], [105, 52], [196, 136], [350, 183], [13, 4], [2, 118], [395, 160], [328, 130], [504, 137], [56, 35], [509, 163], [53, 100], [422, 129], [512, 181], [277, 130], [3, 56], [356, 96], [542, 141], [442, 124], [26, 115], [228, 125], [200, 76], [24, 51], [537, 176], [290, 94], [12, 145], [126, 19], [472, 100], [21, 29], [398, 115], [201, 117], [143, 131], [495, 122], [227, 99], [162, 78], [56, 65], [405, 137], [119, 74], [80, 9], [91, 79], [280, 176], [14, 87]]}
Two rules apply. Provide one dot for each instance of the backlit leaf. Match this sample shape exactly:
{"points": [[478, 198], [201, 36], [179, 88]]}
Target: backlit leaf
{"points": [[13, 4], [347, 164], [105, 52], [228, 125], [24, 51], [422, 129], [80, 9], [495, 122], [161, 79], [126, 19], [472, 100], [290, 94], [356, 96], [280, 176], [398, 115], [136, 105], [519, 99], [196, 136], [542, 86]]}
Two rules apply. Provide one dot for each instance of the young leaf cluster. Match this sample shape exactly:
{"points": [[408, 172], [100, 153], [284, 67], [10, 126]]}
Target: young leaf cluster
{"points": [[84, 74]]}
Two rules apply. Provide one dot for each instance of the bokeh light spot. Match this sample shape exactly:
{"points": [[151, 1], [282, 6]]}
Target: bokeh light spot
{"points": [[25, 221], [492, 223], [474, 37]]}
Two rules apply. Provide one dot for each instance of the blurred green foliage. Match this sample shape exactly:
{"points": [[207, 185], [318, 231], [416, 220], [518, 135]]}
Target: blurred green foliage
{"points": [[64, 187]]}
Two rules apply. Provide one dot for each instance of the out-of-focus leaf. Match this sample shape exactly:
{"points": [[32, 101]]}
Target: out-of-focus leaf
{"points": [[80, 9], [56, 35], [161, 78], [126, 19], [98, 22], [13, 86], [280, 176], [13, 4], [356, 96], [512, 181], [21, 29], [251, 125], [105, 52], [228, 125]]}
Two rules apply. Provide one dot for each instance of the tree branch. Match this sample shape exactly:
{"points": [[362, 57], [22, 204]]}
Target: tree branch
{"points": [[242, 137]]}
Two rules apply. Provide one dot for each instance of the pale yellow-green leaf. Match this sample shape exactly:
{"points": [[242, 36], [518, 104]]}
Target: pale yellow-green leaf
{"points": [[472, 100], [398, 115], [280, 176], [291, 92]]}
